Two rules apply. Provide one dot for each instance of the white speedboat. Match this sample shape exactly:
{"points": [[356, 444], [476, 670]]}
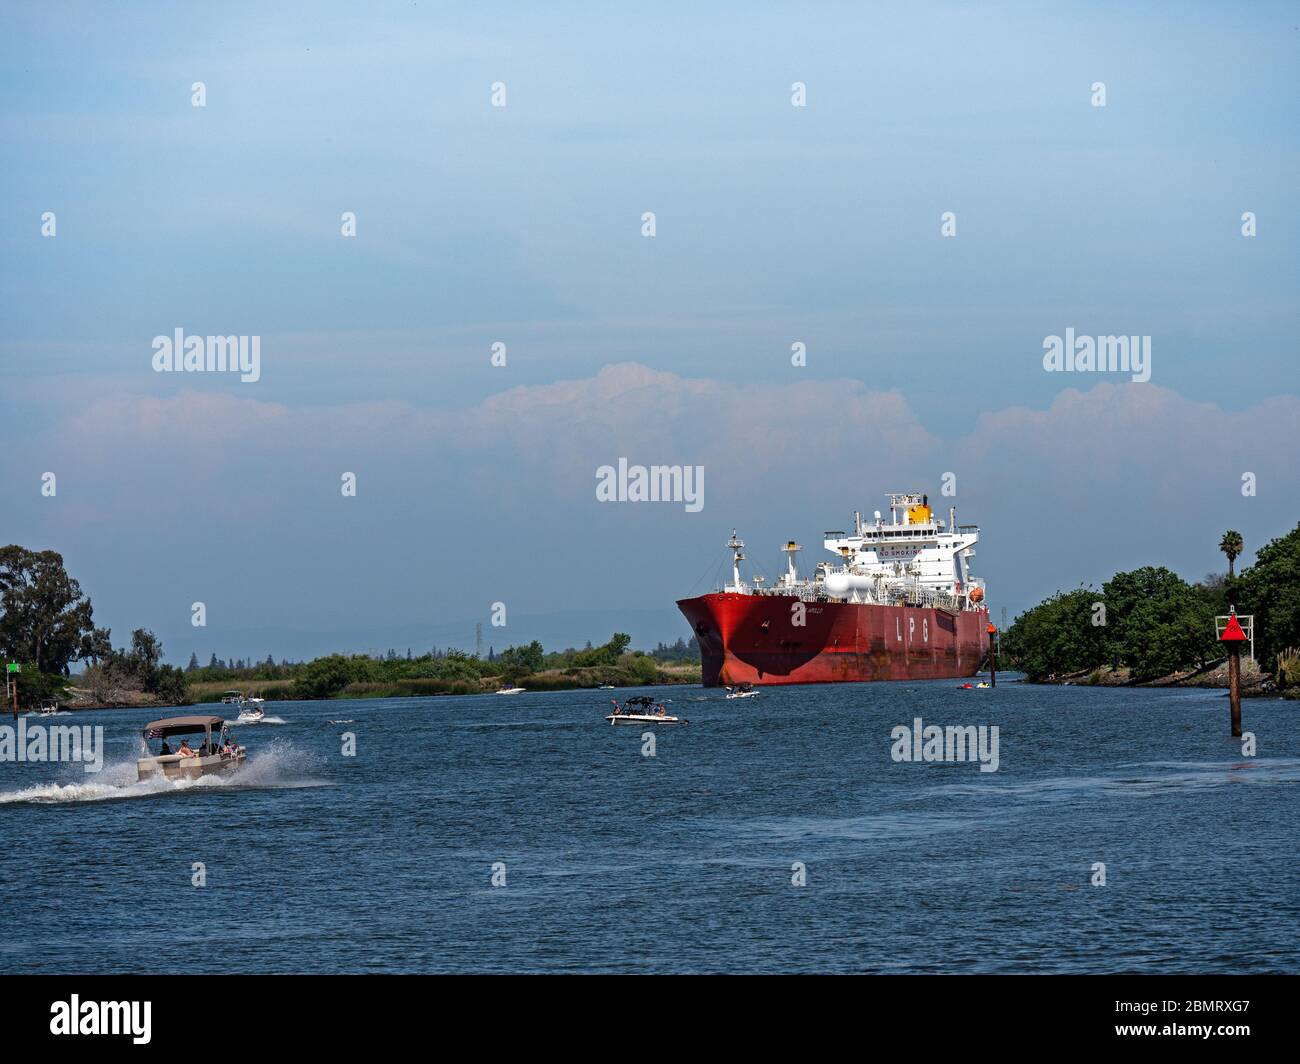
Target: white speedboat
{"points": [[742, 690], [208, 757], [251, 710], [508, 690], [638, 710], [48, 708]]}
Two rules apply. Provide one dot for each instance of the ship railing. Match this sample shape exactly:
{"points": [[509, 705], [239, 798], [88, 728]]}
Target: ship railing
{"points": [[806, 592], [893, 597]]}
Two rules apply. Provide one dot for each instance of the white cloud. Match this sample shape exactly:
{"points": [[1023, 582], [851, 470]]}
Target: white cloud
{"points": [[1107, 478]]}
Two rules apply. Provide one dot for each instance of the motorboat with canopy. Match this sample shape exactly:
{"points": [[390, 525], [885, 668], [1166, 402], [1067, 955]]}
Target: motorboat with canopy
{"points": [[211, 755], [251, 711], [641, 709]]}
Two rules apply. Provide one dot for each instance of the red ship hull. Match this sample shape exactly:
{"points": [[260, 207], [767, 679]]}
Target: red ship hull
{"points": [[753, 639]]}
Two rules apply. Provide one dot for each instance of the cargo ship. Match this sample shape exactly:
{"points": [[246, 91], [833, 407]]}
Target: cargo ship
{"points": [[901, 604]]}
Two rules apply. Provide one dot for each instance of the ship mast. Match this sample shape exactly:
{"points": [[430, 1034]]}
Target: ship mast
{"points": [[736, 546], [791, 574]]}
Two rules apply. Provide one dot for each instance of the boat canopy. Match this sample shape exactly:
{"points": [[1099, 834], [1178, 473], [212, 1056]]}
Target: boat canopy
{"points": [[160, 729]]}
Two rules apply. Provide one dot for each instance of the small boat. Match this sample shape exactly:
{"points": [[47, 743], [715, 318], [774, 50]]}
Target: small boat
{"points": [[47, 708], [506, 689], [637, 710], [605, 687], [742, 690], [232, 698], [207, 758], [251, 711]]}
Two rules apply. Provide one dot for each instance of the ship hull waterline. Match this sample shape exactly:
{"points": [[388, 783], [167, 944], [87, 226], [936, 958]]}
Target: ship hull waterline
{"points": [[755, 639]]}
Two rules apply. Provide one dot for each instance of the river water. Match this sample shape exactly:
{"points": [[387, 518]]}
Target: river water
{"points": [[607, 859]]}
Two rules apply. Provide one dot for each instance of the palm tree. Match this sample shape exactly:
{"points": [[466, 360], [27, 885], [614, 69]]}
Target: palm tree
{"points": [[1231, 545]]}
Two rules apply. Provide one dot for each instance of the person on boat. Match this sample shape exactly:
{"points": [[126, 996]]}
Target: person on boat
{"points": [[165, 749], [662, 712], [185, 750]]}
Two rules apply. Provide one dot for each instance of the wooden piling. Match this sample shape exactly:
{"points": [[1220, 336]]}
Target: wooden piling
{"points": [[1233, 637]]}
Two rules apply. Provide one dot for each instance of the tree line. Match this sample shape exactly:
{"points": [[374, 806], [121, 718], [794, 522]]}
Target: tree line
{"points": [[457, 672], [47, 625], [1154, 623]]}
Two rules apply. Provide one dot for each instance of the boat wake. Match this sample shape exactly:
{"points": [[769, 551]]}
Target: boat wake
{"points": [[1160, 778], [279, 767], [236, 723]]}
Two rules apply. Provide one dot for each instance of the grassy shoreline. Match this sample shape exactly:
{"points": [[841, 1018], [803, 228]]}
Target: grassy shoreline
{"points": [[547, 680], [209, 692], [1254, 682]]}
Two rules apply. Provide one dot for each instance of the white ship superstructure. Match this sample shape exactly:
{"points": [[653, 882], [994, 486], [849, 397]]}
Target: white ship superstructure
{"points": [[912, 558]]}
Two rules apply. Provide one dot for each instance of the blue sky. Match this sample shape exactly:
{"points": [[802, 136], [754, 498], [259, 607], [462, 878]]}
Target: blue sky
{"points": [[521, 224]]}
